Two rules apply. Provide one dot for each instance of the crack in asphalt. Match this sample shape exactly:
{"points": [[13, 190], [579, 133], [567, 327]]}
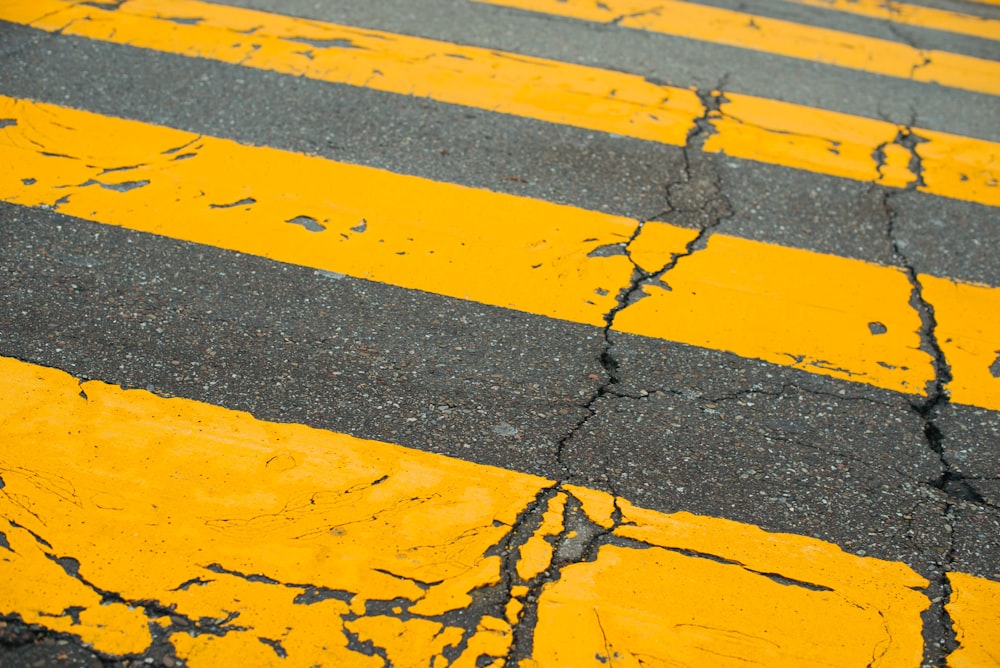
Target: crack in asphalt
{"points": [[634, 291]]}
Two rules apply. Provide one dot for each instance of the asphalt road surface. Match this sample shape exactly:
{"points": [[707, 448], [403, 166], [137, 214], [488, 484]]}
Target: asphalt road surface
{"points": [[499, 332]]}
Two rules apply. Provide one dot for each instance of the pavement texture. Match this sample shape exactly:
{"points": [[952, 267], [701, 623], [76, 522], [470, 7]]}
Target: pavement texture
{"points": [[662, 425]]}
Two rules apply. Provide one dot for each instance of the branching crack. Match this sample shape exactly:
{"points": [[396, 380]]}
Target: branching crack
{"points": [[640, 278]]}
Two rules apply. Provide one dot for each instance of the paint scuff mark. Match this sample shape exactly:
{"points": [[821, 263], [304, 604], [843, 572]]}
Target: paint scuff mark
{"points": [[360, 227], [246, 201], [29, 181], [7, 122], [275, 645], [995, 367], [251, 577], [184, 20], [124, 186], [307, 222], [178, 149], [337, 43], [877, 328], [187, 584], [609, 250], [312, 595], [124, 168]]}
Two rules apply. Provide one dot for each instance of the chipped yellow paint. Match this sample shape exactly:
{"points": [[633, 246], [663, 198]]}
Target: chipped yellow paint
{"points": [[968, 332], [725, 606], [830, 142], [536, 553], [786, 306], [547, 90], [974, 609], [959, 167], [914, 15], [821, 313], [291, 534], [784, 38], [282, 545], [472, 244], [754, 128]]}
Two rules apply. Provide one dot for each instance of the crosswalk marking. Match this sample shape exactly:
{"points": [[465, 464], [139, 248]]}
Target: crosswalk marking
{"points": [[974, 604], [824, 314], [914, 15], [286, 545], [784, 38], [748, 127]]}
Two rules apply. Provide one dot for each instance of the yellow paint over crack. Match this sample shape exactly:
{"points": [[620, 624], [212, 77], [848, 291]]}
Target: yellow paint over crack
{"points": [[536, 553], [820, 313], [703, 593], [202, 524], [752, 128], [830, 142], [646, 250], [914, 15], [410, 643], [339, 543], [974, 608], [968, 333], [784, 38]]}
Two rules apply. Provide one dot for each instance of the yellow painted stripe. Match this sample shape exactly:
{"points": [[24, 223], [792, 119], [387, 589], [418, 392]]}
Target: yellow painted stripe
{"points": [[546, 90], [974, 609], [833, 316], [471, 244], [753, 128], [968, 331], [783, 38], [914, 15], [299, 547], [857, 148]]}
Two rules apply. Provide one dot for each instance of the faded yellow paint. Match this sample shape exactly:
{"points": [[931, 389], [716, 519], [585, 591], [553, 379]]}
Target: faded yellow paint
{"points": [[786, 306], [547, 90], [830, 142], [284, 545], [784, 38], [968, 332], [472, 244], [914, 15], [974, 608], [820, 313], [754, 128]]}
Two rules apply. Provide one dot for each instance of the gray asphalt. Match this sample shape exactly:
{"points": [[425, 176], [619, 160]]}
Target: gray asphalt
{"points": [[668, 426]]}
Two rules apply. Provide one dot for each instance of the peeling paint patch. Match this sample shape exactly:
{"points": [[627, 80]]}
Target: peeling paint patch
{"points": [[245, 201], [307, 222]]}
